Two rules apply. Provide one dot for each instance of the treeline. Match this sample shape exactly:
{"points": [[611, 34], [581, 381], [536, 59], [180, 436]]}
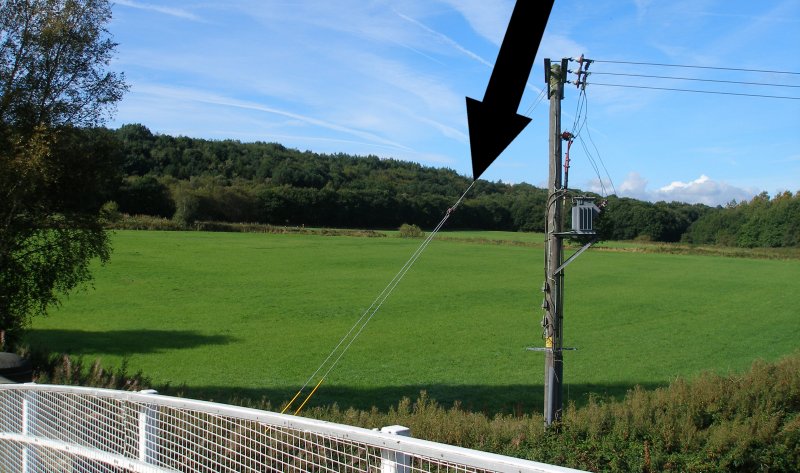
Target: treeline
{"points": [[761, 222], [191, 180], [196, 180]]}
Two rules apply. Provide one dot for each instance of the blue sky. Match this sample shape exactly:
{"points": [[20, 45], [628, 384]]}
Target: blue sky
{"points": [[389, 78]]}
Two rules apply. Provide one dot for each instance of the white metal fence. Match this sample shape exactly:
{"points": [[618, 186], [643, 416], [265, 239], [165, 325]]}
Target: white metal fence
{"points": [[46, 428]]}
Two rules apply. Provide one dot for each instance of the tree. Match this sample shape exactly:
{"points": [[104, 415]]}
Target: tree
{"points": [[57, 167], [137, 141]]}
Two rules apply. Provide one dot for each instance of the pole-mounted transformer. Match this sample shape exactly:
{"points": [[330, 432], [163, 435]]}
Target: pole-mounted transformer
{"points": [[584, 213]]}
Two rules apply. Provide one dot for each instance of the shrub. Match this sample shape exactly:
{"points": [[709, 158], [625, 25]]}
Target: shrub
{"points": [[410, 231], [739, 422], [187, 208], [69, 370], [144, 222], [110, 213]]}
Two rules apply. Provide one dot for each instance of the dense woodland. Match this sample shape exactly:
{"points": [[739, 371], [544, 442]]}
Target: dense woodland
{"points": [[191, 180]]}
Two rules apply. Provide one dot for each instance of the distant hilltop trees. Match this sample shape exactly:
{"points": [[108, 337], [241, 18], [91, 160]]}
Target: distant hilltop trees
{"points": [[189, 179]]}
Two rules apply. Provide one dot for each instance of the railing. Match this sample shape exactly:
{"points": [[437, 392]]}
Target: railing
{"points": [[47, 428]]}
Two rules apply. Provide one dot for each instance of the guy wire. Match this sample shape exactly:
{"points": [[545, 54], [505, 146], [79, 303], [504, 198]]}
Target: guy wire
{"points": [[372, 309]]}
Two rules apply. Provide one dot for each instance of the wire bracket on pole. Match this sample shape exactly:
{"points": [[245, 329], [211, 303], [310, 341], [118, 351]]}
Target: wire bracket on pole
{"points": [[583, 70], [575, 255]]}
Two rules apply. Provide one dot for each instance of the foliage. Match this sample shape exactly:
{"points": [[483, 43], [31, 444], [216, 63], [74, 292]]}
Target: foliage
{"points": [[52, 227], [56, 168], [69, 370], [739, 422], [229, 181], [628, 219], [269, 183], [145, 222], [260, 182], [711, 423], [145, 196], [761, 222], [410, 231], [110, 213], [53, 57]]}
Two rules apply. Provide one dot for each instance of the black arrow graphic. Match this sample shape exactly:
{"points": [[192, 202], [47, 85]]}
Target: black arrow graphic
{"points": [[494, 123]]}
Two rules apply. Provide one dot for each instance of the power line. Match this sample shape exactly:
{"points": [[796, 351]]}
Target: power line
{"points": [[695, 79], [697, 91], [580, 119], [699, 67], [589, 155]]}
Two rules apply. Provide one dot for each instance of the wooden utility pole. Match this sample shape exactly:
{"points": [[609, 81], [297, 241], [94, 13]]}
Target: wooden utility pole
{"points": [[553, 286]]}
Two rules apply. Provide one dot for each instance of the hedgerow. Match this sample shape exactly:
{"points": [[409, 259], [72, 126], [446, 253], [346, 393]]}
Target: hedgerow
{"points": [[735, 423], [740, 422]]}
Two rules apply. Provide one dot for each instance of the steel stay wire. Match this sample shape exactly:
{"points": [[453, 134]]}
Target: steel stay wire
{"points": [[535, 103], [387, 291], [372, 309]]}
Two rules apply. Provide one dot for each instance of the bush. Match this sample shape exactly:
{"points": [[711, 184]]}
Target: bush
{"points": [[145, 195], [144, 222], [69, 370], [739, 422], [410, 231], [110, 213], [187, 208]]}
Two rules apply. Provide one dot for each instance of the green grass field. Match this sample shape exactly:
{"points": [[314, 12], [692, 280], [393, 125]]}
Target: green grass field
{"points": [[222, 315]]}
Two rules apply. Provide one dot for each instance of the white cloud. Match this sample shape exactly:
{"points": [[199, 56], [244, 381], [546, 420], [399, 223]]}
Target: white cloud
{"points": [[190, 95], [642, 7], [394, 76], [389, 78], [489, 18], [349, 79], [634, 186], [447, 40], [557, 46], [702, 190], [176, 12]]}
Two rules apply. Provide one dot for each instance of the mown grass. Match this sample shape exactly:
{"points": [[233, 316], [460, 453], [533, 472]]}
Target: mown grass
{"points": [[222, 315]]}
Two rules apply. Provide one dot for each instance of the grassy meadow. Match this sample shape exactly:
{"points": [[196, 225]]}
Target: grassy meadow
{"points": [[246, 315]]}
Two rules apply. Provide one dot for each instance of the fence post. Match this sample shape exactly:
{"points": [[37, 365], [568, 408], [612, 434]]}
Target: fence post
{"points": [[28, 424], [148, 431], [393, 461]]}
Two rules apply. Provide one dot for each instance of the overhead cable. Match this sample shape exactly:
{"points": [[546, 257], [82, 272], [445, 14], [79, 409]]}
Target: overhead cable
{"points": [[765, 84], [740, 69], [715, 92]]}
